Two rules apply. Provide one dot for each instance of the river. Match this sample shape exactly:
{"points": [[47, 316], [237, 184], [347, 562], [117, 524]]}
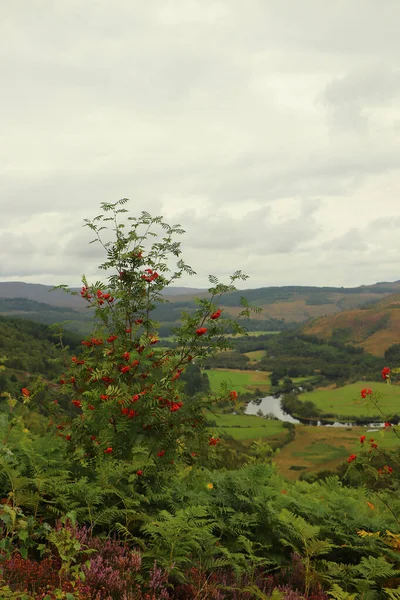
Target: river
{"points": [[271, 405]]}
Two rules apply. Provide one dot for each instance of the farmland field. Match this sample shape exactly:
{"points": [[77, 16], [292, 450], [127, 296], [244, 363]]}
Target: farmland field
{"points": [[346, 401], [240, 380], [319, 448], [246, 427], [255, 355]]}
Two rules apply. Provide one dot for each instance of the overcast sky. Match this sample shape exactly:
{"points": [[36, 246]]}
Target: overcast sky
{"points": [[270, 129]]}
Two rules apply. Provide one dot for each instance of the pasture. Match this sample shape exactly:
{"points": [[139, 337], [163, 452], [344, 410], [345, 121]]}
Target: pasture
{"points": [[255, 355], [240, 380], [246, 427], [346, 401]]}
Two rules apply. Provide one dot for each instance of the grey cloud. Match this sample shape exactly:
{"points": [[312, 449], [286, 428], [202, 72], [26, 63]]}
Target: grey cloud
{"points": [[214, 112], [267, 235], [350, 98]]}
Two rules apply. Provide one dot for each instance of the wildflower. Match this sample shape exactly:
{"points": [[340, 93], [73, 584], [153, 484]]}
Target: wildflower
{"points": [[25, 392], [362, 439], [108, 450], [201, 331], [351, 458], [216, 315], [385, 373], [233, 395], [366, 392], [209, 486]]}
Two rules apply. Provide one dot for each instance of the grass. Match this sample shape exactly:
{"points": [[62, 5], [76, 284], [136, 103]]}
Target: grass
{"points": [[246, 427], [319, 448], [302, 379], [346, 401], [254, 334], [255, 355], [239, 380], [170, 338]]}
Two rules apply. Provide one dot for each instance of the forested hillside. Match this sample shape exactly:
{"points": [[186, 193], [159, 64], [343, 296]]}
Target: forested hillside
{"points": [[282, 307], [29, 349]]}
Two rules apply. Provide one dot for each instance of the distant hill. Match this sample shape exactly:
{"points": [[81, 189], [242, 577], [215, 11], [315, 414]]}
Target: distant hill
{"points": [[40, 312], [39, 293], [45, 293], [281, 306], [374, 327]]}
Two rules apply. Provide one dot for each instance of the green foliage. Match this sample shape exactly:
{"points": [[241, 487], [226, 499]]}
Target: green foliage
{"points": [[131, 449]]}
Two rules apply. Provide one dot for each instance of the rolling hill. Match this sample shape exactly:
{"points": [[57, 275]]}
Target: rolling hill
{"points": [[281, 306], [374, 327]]}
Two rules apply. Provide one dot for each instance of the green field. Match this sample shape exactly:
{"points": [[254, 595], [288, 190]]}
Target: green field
{"points": [[346, 401], [170, 338], [298, 380], [255, 355], [246, 427], [256, 333], [241, 381]]}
